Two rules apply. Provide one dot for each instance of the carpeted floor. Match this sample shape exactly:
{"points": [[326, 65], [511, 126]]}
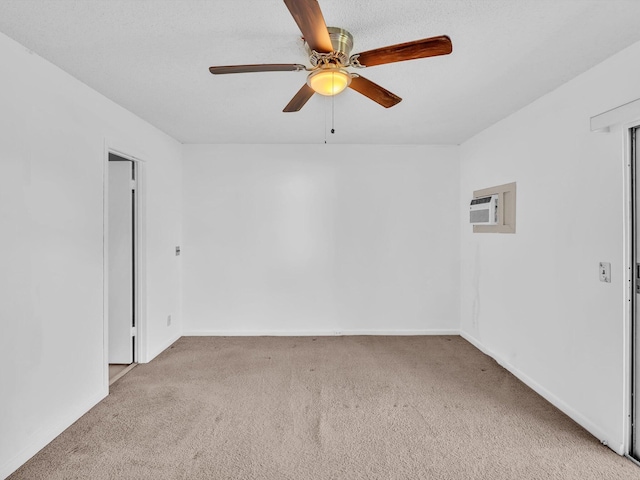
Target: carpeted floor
{"points": [[324, 408]]}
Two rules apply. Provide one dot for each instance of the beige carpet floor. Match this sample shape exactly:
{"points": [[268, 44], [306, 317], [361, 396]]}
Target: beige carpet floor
{"points": [[324, 408]]}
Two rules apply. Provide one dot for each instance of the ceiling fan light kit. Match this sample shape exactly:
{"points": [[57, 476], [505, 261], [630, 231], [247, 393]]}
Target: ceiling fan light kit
{"points": [[330, 54], [329, 81]]}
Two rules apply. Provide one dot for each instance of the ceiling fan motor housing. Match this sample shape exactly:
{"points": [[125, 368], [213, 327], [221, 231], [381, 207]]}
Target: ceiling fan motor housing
{"points": [[342, 43]]}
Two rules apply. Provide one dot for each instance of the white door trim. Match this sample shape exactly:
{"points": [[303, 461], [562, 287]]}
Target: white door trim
{"points": [[618, 123], [140, 260]]}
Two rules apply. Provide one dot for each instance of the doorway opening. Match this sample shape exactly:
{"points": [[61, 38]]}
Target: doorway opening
{"points": [[122, 265]]}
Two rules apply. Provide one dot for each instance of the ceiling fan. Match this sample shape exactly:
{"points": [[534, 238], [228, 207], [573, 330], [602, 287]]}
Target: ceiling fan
{"points": [[329, 54]]}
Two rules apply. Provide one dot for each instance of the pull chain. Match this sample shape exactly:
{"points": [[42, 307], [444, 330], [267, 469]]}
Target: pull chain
{"points": [[333, 115], [325, 122], [333, 130]]}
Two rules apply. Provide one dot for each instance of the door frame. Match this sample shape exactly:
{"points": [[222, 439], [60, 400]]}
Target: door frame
{"points": [[630, 255], [631, 132], [632, 164], [140, 246]]}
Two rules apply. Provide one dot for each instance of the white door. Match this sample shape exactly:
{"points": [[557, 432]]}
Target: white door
{"points": [[121, 262]]}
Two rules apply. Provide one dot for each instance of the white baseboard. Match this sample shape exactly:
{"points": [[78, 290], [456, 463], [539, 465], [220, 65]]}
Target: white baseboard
{"points": [[42, 437], [604, 437], [151, 354], [311, 333]]}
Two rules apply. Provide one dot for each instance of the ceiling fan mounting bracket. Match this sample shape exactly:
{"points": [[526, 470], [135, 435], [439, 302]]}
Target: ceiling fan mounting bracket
{"points": [[318, 59], [354, 62]]}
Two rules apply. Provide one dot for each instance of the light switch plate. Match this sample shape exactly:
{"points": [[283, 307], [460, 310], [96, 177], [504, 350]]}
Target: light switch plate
{"points": [[605, 272]]}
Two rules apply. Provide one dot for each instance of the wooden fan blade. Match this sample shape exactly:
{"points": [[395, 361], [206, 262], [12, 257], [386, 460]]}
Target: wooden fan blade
{"points": [[308, 16], [299, 99], [263, 67], [427, 47], [374, 91]]}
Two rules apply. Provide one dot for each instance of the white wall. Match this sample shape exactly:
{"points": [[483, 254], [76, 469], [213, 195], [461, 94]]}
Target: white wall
{"points": [[52, 136], [312, 239], [533, 300]]}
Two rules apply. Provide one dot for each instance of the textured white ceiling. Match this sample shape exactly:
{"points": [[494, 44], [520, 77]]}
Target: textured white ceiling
{"points": [[152, 57]]}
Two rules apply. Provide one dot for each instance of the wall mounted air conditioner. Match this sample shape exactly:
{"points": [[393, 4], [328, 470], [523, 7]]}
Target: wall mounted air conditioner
{"points": [[484, 211]]}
